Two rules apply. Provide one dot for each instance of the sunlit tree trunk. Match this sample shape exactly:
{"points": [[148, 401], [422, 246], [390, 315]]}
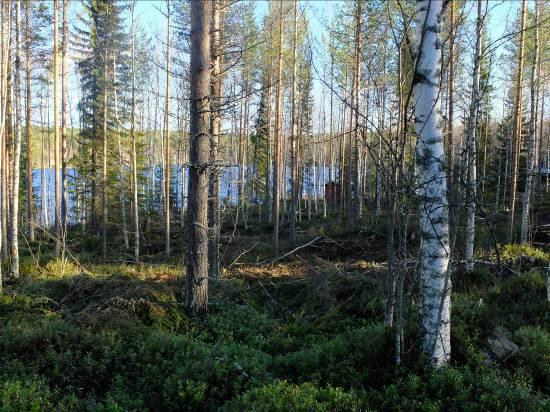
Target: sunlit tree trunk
{"points": [[197, 211], [14, 223], [135, 204], [216, 100], [435, 283], [357, 90], [64, 112], [293, 160], [30, 201], [57, 182], [104, 165], [277, 136], [121, 183], [516, 131], [531, 147], [167, 162], [471, 147]]}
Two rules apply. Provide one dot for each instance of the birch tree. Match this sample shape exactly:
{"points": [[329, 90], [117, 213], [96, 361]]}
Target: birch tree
{"points": [[435, 283]]}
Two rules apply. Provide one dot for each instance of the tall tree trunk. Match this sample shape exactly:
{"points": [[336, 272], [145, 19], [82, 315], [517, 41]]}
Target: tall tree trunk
{"points": [[14, 224], [450, 99], [277, 136], [516, 131], [293, 161], [56, 129], [435, 282], [471, 146], [135, 203], [30, 201], [357, 90], [64, 112], [216, 99], [121, 183], [3, 92], [197, 215], [532, 137], [167, 162], [104, 165]]}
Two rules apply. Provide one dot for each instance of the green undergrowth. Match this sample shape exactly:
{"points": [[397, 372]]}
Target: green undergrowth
{"points": [[116, 338]]}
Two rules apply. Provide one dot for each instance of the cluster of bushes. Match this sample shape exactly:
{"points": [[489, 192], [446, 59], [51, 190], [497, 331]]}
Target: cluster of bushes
{"points": [[265, 348]]}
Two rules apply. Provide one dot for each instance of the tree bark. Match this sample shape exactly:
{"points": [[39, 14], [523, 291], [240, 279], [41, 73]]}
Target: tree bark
{"points": [[64, 112], [277, 136], [532, 137], [135, 204], [471, 146], [197, 216], [214, 188], [516, 131], [14, 224], [293, 161], [167, 155], [57, 181], [30, 201], [435, 283]]}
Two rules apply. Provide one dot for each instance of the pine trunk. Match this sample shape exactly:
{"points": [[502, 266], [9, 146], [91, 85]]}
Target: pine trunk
{"points": [[197, 212]]}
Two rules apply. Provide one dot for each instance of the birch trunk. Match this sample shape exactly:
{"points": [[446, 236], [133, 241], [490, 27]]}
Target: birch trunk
{"points": [[435, 284]]}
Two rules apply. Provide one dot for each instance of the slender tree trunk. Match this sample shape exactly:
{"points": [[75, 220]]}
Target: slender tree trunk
{"points": [[532, 137], [277, 136], [14, 224], [516, 131], [293, 161], [121, 183], [450, 103], [167, 161], [3, 92], [64, 112], [30, 201], [56, 130], [357, 90], [104, 165], [435, 283], [471, 146], [197, 212], [135, 203], [214, 189]]}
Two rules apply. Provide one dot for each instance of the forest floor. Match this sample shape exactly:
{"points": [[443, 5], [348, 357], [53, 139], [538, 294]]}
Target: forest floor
{"points": [[301, 333]]}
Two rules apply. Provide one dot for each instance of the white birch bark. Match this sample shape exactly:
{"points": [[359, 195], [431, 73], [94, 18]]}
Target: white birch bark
{"points": [[435, 284]]}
